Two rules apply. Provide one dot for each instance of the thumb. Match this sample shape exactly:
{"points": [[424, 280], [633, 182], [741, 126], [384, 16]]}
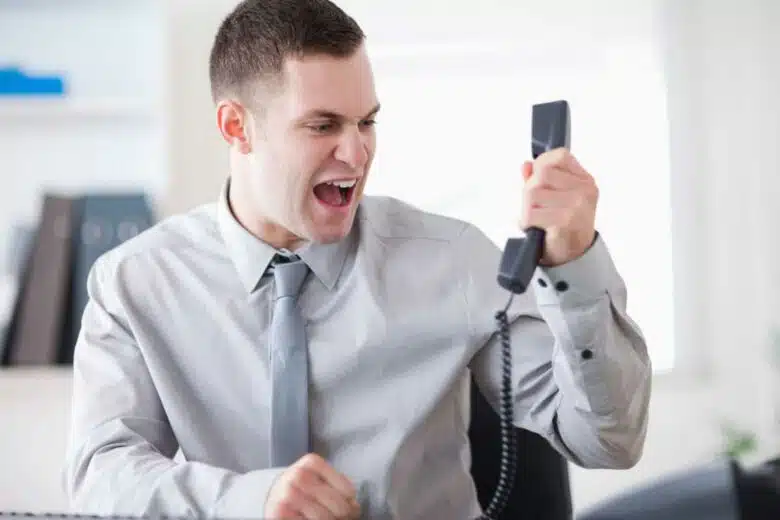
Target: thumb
{"points": [[528, 170]]}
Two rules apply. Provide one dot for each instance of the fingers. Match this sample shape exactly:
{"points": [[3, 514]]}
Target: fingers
{"points": [[311, 489], [558, 169], [555, 177], [563, 159], [285, 512], [327, 473], [560, 197], [305, 506], [556, 180], [548, 218], [328, 500], [547, 208], [542, 197]]}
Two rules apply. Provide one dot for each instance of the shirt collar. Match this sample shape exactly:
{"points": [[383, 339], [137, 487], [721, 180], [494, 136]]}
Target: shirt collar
{"points": [[251, 256]]}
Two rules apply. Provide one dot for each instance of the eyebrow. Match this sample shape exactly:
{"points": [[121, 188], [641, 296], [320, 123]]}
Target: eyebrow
{"points": [[327, 114]]}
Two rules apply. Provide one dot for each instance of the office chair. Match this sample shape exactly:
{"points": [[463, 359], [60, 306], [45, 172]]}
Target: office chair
{"points": [[720, 490], [541, 488]]}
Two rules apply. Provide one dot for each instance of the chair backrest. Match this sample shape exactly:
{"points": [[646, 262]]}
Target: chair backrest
{"points": [[702, 492], [541, 487], [719, 489]]}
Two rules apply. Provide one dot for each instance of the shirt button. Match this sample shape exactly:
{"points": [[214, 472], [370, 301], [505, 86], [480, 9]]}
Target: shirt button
{"points": [[542, 282], [587, 353], [561, 286]]}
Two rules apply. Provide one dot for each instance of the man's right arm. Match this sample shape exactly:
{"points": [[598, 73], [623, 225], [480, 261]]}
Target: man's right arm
{"points": [[121, 447]]}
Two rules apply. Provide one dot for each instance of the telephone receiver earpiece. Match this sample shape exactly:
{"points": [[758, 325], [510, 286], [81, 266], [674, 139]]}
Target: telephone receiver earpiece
{"points": [[550, 129]]}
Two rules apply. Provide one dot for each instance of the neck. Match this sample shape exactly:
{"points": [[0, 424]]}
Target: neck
{"points": [[253, 221]]}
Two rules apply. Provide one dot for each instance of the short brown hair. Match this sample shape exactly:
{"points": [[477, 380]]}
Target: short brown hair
{"points": [[254, 40]]}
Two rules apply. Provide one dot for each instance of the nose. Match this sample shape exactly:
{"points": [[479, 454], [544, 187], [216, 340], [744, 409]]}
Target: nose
{"points": [[352, 148]]}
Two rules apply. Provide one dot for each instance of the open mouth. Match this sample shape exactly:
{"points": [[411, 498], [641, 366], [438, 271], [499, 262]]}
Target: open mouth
{"points": [[335, 194]]}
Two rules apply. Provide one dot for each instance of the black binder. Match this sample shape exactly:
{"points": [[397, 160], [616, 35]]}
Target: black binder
{"points": [[42, 301], [105, 221]]}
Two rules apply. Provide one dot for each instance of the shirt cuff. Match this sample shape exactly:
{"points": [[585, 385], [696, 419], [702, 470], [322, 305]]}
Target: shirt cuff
{"points": [[584, 279]]}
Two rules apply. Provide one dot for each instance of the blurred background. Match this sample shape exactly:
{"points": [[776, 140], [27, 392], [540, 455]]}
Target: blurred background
{"points": [[674, 111]]}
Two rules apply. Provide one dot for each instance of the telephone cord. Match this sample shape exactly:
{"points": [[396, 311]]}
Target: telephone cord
{"points": [[508, 467]]}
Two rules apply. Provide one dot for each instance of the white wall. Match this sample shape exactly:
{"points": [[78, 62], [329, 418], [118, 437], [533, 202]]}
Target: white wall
{"points": [[723, 61], [723, 70]]}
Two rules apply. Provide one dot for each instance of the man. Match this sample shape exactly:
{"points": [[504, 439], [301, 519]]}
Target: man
{"points": [[179, 348]]}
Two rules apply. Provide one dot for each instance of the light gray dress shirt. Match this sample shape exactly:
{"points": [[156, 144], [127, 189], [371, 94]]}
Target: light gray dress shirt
{"points": [[172, 356]]}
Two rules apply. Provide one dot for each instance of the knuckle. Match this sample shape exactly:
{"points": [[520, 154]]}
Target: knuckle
{"points": [[542, 174], [533, 192], [310, 459], [286, 504], [297, 474], [287, 491]]}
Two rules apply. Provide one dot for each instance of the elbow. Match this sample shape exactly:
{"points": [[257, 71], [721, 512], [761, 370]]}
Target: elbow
{"points": [[74, 481], [615, 442], [623, 435], [622, 448], [607, 449], [624, 457], [611, 455]]}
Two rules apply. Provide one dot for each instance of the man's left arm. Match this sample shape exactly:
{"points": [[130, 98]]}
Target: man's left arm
{"points": [[581, 370], [600, 361]]}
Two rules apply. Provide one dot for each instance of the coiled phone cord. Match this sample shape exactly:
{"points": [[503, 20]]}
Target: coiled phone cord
{"points": [[506, 476]]}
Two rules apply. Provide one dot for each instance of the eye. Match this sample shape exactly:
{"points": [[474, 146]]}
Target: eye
{"points": [[368, 123], [322, 128]]}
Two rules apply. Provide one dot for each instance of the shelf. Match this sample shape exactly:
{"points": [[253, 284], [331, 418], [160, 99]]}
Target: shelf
{"points": [[70, 108], [34, 373]]}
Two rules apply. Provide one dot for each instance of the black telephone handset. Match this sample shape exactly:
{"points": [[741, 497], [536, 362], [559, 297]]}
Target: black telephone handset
{"points": [[550, 129]]}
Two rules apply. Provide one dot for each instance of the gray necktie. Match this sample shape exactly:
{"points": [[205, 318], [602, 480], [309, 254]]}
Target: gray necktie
{"points": [[289, 368]]}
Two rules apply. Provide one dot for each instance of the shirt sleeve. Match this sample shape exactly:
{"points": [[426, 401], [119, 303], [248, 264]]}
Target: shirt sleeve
{"points": [[120, 448], [581, 370]]}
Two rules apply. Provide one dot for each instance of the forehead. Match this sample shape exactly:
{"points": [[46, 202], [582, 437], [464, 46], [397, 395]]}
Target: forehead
{"points": [[320, 82]]}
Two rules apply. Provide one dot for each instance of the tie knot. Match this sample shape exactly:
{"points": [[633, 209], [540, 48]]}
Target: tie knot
{"points": [[289, 275]]}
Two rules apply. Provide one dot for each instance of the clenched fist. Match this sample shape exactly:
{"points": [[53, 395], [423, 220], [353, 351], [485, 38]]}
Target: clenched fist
{"points": [[310, 489], [560, 197]]}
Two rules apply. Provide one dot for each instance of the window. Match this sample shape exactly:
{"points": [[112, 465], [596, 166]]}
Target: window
{"points": [[455, 128]]}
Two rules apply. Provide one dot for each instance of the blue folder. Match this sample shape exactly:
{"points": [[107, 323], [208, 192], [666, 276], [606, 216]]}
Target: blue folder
{"points": [[15, 81]]}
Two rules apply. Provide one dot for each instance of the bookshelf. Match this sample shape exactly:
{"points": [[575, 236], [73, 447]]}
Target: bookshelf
{"points": [[108, 131], [37, 110]]}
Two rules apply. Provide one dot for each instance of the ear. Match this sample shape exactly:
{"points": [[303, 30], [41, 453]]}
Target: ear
{"points": [[233, 123]]}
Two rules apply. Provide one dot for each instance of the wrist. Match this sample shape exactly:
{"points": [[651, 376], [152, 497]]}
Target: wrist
{"points": [[564, 249]]}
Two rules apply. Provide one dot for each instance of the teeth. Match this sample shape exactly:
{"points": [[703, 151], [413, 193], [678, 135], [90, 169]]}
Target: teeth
{"points": [[343, 184]]}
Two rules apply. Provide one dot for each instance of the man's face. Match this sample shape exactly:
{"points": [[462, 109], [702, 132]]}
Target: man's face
{"points": [[313, 146]]}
